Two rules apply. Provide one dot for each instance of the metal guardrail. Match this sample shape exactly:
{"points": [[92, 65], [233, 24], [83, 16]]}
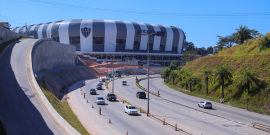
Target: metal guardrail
{"points": [[261, 127]]}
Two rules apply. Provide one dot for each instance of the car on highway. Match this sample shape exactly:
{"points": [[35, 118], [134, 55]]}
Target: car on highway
{"points": [[103, 80], [131, 110], [93, 91], [140, 94], [124, 82], [127, 74], [100, 82], [205, 104], [100, 101], [111, 97], [99, 87]]}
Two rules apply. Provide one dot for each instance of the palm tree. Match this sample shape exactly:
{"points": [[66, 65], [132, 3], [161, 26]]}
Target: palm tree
{"points": [[242, 34], [186, 76], [192, 79], [248, 77], [172, 75], [223, 73], [206, 74], [166, 72]]}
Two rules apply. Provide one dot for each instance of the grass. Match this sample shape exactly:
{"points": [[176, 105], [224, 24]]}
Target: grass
{"points": [[65, 111], [235, 104]]}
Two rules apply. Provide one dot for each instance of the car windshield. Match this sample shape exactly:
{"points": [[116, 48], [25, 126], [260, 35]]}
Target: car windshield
{"points": [[132, 107], [100, 98], [92, 89], [124, 81], [111, 95], [99, 85]]}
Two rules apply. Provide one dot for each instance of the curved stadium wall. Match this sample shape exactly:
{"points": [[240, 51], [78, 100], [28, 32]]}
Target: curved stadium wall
{"points": [[101, 35]]}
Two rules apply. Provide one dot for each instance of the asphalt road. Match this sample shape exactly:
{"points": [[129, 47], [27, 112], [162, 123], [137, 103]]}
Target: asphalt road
{"points": [[20, 110], [121, 123], [182, 109]]}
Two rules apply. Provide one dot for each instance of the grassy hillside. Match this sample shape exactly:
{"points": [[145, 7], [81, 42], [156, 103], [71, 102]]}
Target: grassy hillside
{"points": [[65, 111], [237, 58]]}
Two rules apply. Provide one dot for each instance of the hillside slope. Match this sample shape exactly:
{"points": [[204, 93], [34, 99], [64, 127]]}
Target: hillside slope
{"points": [[237, 58]]}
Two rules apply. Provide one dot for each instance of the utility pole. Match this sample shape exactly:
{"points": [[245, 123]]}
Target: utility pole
{"points": [[25, 28], [147, 34]]}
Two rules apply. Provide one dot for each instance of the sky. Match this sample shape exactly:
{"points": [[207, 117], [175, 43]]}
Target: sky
{"points": [[202, 20]]}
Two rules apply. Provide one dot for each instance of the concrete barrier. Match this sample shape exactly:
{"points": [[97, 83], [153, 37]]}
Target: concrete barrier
{"points": [[48, 54], [7, 35], [62, 123]]}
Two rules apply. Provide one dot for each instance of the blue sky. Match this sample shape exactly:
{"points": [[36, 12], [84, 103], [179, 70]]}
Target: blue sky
{"points": [[202, 20]]}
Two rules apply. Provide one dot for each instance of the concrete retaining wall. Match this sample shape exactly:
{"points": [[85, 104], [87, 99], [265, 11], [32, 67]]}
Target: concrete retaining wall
{"points": [[48, 54], [7, 35], [53, 114]]}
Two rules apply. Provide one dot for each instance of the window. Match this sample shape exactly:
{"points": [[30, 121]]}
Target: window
{"points": [[98, 40], [174, 49], [56, 39], [136, 43], [74, 40], [121, 41]]}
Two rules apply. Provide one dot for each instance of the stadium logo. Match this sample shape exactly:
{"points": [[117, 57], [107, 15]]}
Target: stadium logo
{"points": [[85, 31]]}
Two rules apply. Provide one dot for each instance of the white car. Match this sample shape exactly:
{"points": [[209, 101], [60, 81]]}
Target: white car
{"points": [[205, 104], [124, 82], [100, 101], [100, 82], [131, 110]]}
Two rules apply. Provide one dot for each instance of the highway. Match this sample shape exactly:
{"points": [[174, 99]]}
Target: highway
{"points": [[20, 110], [121, 123], [182, 109]]}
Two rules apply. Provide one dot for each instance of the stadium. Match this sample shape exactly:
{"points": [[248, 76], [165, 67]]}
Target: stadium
{"points": [[103, 38]]}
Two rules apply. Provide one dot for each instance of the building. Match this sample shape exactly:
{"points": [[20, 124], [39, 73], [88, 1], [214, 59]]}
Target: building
{"points": [[100, 38]]}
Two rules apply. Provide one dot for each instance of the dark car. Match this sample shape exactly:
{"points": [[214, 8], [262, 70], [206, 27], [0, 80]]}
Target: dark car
{"points": [[99, 87], [93, 92], [141, 94], [111, 96]]}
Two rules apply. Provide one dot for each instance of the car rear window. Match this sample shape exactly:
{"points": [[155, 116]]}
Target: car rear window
{"points": [[132, 107], [111, 95], [100, 98], [208, 102], [124, 81]]}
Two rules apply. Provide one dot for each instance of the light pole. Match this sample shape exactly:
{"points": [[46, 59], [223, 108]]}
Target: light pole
{"points": [[113, 65], [147, 34]]}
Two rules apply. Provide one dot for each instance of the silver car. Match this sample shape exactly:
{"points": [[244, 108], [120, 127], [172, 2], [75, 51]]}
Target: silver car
{"points": [[205, 104], [100, 101]]}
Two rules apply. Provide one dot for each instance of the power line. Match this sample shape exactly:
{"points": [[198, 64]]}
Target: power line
{"points": [[149, 13]]}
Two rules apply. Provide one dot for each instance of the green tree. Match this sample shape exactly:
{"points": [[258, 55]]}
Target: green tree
{"points": [[185, 76], [223, 73], [173, 65], [192, 79], [206, 74], [264, 43], [247, 78], [173, 75], [166, 72], [242, 34], [189, 56]]}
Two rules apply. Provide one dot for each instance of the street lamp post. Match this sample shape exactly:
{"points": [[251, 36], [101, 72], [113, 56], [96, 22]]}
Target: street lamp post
{"points": [[113, 66], [147, 34]]}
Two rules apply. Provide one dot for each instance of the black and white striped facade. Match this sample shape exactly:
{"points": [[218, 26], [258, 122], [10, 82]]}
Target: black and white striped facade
{"points": [[104, 34]]}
